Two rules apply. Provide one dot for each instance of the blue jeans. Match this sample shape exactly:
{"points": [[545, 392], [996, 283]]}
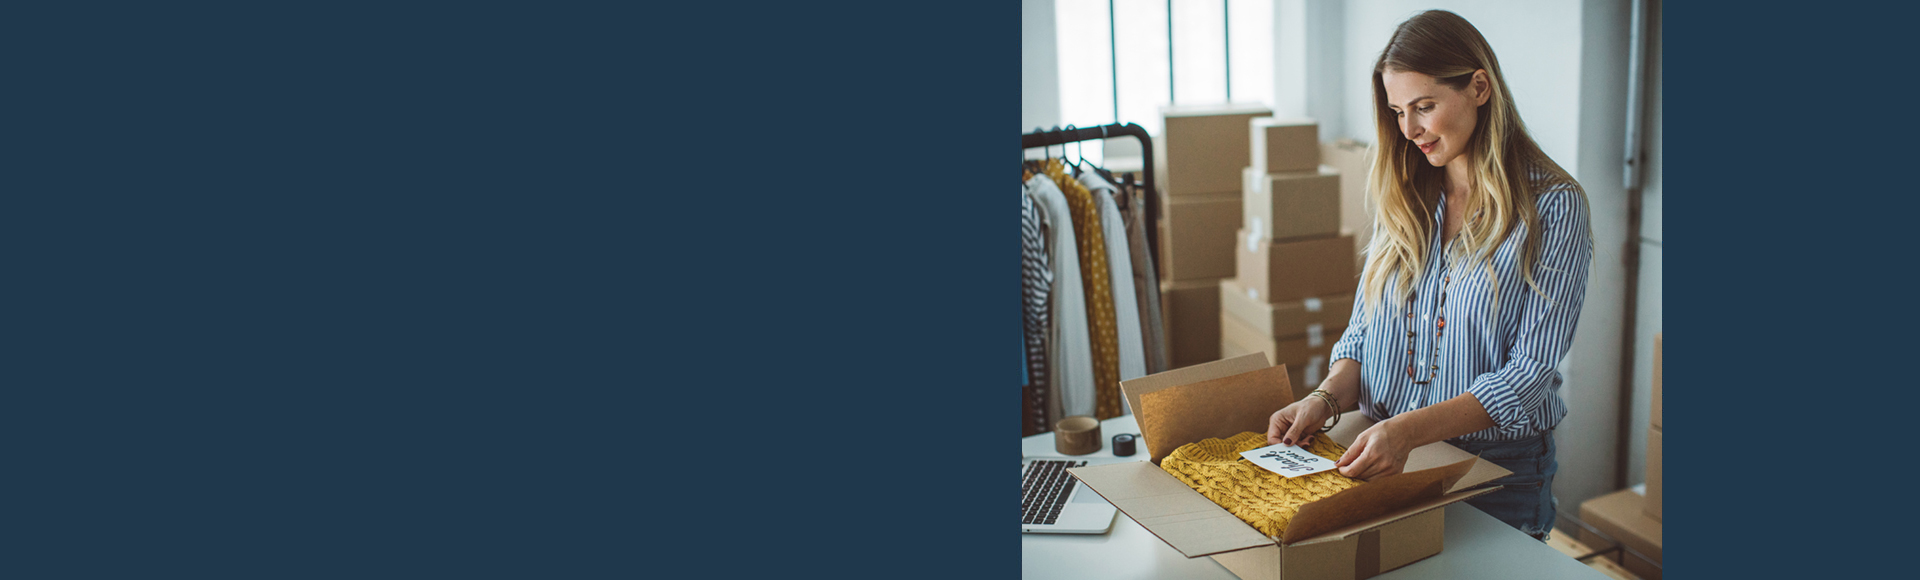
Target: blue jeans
{"points": [[1527, 502]]}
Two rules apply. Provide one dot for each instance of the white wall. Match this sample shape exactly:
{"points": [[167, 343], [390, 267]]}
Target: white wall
{"points": [[1291, 62], [1590, 434], [1538, 44], [1039, 66], [1310, 50]]}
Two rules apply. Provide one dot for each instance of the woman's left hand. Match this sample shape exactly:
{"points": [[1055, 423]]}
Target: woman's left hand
{"points": [[1379, 451]]}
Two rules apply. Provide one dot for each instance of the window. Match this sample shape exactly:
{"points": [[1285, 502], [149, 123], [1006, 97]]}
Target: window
{"points": [[1213, 43]]}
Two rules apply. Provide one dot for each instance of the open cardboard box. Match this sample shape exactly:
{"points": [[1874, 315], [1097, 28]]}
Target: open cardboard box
{"points": [[1385, 524]]}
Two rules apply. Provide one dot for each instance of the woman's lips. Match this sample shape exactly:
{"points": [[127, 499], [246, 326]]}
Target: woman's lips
{"points": [[1428, 148]]}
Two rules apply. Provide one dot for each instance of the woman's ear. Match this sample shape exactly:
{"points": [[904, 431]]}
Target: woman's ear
{"points": [[1482, 87]]}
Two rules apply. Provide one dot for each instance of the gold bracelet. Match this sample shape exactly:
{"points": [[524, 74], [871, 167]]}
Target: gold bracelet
{"points": [[1327, 398]]}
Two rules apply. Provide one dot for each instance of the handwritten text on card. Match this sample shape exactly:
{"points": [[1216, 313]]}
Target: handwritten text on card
{"points": [[1288, 460]]}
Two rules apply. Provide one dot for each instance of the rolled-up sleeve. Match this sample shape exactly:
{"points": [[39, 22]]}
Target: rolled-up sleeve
{"points": [[1547, 322]]}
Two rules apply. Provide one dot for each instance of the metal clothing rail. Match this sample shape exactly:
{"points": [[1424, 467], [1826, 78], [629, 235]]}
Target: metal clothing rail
{"points": [[1060, 136]]}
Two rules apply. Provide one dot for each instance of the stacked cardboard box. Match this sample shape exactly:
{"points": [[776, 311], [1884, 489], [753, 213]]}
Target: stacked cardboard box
{"points": [[1293, 291], [1622, 517], [1630, 518], [1198, 160]]}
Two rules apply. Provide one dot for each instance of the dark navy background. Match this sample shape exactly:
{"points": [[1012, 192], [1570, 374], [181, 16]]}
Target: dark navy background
{"points": [[476, 290], [1790, 319]]}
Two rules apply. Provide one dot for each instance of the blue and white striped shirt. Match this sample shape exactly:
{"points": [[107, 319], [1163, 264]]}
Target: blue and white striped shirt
{"points": [[1506, 358]]}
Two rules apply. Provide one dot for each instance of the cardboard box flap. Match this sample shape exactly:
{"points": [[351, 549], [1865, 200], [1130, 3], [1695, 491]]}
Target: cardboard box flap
{"points": [[1188, 521], [1424, 457], [1390, 497], [1417, 508], [1212, 409], [1134, 388]]}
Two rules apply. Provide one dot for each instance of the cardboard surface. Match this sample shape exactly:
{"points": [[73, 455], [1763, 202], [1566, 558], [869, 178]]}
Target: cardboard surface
{"points": [[1427, 456], [1619, 514], [1357, 509], [1134, 388], [1215, 408], [1293, 204], [1297, 376], [1306, 365], [1295, 351], [1196, 240], [1655, 482], [1256, 564], [1407, 541], [1338, 559], [1351, 160], [1656, 380], [1191, 312], [1206, 146], [1289, 319], [1291, 270], [1185, 520], [1284, 144]]}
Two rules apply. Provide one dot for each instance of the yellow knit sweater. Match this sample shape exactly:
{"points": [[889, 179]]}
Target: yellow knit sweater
{"points": [[1264, 499]]}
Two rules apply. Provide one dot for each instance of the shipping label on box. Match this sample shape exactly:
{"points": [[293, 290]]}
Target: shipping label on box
{"points": [[1327, 315], [1296, 351], [1291, 205]]}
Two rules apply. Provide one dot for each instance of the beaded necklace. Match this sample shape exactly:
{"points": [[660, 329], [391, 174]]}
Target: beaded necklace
{"points": [[1440, 320]]}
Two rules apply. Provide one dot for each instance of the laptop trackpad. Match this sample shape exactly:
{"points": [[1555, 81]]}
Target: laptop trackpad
{"points": [[1087, 496]]}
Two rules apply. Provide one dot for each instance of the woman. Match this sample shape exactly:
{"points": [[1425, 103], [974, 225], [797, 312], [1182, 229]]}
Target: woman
{"points": [[1473, 282]]}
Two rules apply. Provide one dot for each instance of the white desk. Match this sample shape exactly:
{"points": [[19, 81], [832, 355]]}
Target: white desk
{"points": [[1477, 546]]}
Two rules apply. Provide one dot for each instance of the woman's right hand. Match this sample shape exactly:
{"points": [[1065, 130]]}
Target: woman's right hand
{"points": [[1296, 423]]}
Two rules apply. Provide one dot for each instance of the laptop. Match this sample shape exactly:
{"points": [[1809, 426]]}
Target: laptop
{"points": [[1053, 502]]}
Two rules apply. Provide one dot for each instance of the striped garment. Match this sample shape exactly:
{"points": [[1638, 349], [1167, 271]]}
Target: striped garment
{"points": [[1506, 358], [1036, 282]]}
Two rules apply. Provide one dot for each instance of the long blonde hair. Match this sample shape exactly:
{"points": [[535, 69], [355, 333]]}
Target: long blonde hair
{"points": [[1403, 187]]}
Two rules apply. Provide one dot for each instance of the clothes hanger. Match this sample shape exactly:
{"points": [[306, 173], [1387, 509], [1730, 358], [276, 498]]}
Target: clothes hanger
{"points": [[1073, 167]]}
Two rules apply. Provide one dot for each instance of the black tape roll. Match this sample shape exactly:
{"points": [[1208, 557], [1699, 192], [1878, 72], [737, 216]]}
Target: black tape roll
{"points": [[1123, 445]]}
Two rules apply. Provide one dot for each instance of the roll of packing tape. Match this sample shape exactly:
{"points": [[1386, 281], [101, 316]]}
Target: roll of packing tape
{"points": [[1076, 435], [1123, 445]]}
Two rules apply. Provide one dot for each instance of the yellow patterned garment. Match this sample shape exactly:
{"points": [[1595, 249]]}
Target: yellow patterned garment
{"points": [[1102, 327], [1261, 498]]}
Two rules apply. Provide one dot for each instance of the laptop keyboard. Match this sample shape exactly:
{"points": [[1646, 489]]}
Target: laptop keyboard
{"points": [[1044, 488]]}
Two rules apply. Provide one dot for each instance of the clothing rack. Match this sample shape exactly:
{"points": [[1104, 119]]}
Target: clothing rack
{"points": [[1058, 136], [1151, 319]]}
